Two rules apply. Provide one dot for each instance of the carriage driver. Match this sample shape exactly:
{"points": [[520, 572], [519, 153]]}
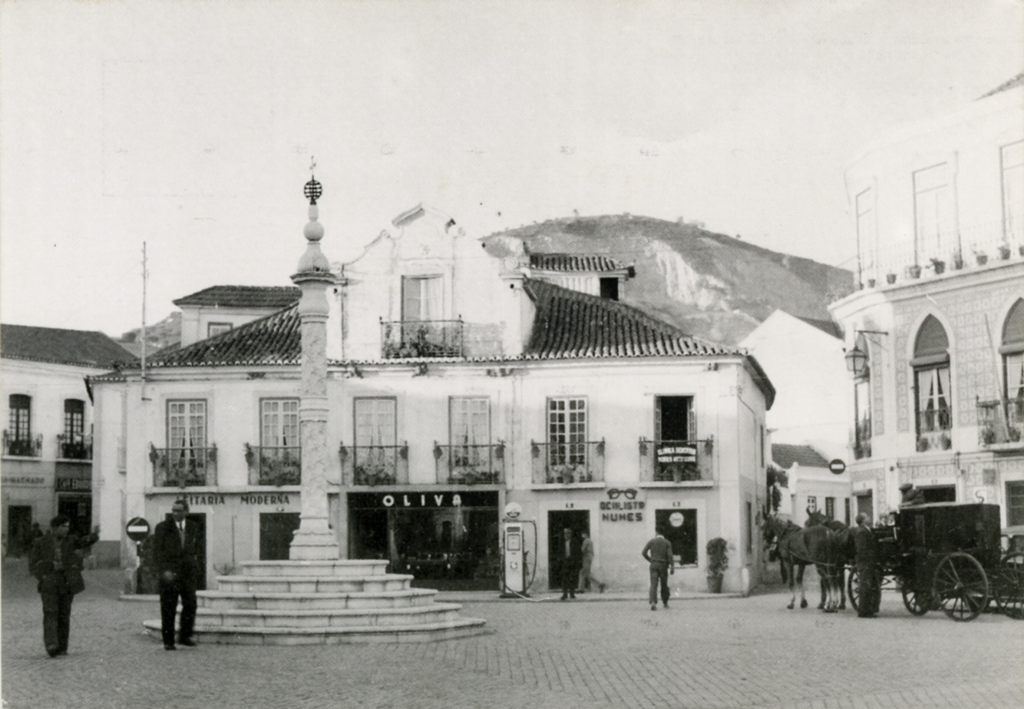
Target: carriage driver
{"points": [[911, 495], [869, 593]]}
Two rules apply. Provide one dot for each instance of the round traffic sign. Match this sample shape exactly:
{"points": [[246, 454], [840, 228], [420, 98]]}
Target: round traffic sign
{"points": [[137, 529], [837, 466]]}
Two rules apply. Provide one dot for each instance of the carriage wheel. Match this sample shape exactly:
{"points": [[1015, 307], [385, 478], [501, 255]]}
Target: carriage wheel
{"points": [[1008, 585], [853, 590], [917, 602], [960, 586]]}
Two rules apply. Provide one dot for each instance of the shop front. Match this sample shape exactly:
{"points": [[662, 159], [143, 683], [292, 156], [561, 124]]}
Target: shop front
{"points": [[73, 485], [447, 539]]}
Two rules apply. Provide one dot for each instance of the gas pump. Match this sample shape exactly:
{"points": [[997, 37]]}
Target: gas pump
{"points": [[515, 556]]}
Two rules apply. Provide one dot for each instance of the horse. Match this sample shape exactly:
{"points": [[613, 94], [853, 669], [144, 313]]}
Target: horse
{"points": [[798, 547], [844, 539]]}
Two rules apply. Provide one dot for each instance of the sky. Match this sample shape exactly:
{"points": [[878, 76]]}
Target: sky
{"points": [[190, 126]]}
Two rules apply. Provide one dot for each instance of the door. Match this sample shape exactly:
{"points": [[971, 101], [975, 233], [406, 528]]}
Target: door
{"points": [[276, 532], [78, 509], [576, 520], [19, 529]]}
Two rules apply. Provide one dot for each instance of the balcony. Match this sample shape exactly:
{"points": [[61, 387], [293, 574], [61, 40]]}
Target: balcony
{"points": [[408, 339], [567, 463], [933, 428], [183, 467], [1000, 424], [74, 446], [375, 465], [23, 447], [676, 461], [470, 464], [274, 465]]}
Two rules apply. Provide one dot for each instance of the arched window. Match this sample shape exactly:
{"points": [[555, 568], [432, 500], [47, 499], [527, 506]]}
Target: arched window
{"points": [[1012, 350], [862, 404], [932, 400]]}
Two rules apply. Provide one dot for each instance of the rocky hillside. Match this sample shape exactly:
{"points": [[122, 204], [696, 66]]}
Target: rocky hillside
{"points": [[710, 285], [165, 333]]}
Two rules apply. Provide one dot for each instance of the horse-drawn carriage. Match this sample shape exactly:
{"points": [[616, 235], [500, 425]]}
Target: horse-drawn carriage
{"points": [[948, 556]]}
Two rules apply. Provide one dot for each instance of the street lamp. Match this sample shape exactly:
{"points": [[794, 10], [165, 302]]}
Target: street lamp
{"points": [[857, 358]]}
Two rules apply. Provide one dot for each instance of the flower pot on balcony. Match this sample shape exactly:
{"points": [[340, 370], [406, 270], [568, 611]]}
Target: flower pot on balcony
{"points": [[1004, 252], [938, 266], [982, 259], [871, 283], [957, 262], [914, 271], [890, 278], [677, 474]]}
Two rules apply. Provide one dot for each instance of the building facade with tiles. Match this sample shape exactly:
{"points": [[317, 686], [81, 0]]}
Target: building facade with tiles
{"points": [[939, 318], [460, 379], [48, 426]]}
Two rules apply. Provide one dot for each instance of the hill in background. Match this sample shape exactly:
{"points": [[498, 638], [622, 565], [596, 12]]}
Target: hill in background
{"points": [[710, 285]]}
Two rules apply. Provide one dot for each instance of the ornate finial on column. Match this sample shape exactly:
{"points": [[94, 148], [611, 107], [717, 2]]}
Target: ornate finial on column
{"points": [[312, 189]]}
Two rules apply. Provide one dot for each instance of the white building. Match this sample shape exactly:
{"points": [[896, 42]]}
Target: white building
{"points": [[811, 485], [458, 382], [936, 333], [48, 419]]}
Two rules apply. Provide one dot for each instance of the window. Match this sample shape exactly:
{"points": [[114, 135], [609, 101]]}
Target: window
{"points": [[1012, 349], [609, 288], [567, 431], [933, 213], [280, 423], [469, 431], [674, 418], [680, 527], [1015, 503], [830, 507], [862, 405], [812, 503], [1012, 159], [867, 246], [71, 444], [186, 427], [376, 436], [19, 426], [217, 328], [421, 298], [675, 434], [750, 528], [934, 411]]}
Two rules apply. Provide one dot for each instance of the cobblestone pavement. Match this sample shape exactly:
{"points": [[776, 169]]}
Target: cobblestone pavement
{"points": [[718, 653]]}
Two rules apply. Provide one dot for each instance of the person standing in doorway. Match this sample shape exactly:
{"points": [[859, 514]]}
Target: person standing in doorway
{"points": [[658, 553], [569, 561], [56, 561], [176, 558], [869, 593], [586, 575]]}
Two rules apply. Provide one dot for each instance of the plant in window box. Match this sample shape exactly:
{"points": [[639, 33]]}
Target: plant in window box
{"points": [[718, 562]]}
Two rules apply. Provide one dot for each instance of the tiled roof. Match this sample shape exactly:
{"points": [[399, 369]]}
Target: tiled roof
{"points": [[785, 455], [1006, 86], [570, 325], [274, 339], [274, 297], [47, 344], [574, 263]]}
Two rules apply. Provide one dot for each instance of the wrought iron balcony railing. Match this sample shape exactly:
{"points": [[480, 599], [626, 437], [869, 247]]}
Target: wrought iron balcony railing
{"points": [[676, 461], [72, 446], [478, 464], [375, 465], [26, 447], [567, 463], [993, 428], [405, 339], [274, 465], [933, 429], [183, 467]]}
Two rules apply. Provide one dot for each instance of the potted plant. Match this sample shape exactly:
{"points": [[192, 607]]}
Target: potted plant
{"points": [[944, 442], [718, 562], [914, 271], [890, 278], [957, 260], [871, 283], [981, 257], [1004, 251], [938, 266]]}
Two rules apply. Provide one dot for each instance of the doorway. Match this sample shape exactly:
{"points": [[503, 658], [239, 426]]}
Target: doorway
{"points": [[78, 509], [939, 493], [576, 520], [276, 532], [19, 529]]}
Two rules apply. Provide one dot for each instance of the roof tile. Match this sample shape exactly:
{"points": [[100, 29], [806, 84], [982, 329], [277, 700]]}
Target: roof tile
{"points": [[243, 297], [47, 344]]}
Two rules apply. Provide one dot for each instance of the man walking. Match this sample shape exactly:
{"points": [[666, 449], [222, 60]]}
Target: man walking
{"points": [[658, 553], [176, 558], [56, 561], [587, 553], [868, 591], [569, 560]]}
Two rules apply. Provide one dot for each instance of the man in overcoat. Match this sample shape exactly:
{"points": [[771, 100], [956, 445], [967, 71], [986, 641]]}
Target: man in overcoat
{"points": [[56, 561], [176, 556], [570, 559], [866, 559]]}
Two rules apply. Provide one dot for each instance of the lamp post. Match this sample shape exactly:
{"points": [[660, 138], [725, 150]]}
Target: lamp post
{"points": [[856, 358], [314, 538]]}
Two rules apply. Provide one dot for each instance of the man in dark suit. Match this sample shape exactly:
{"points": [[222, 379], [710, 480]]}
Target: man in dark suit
{"points": [[869, 593], [176, 558], [56, 561], [570, 559]]}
